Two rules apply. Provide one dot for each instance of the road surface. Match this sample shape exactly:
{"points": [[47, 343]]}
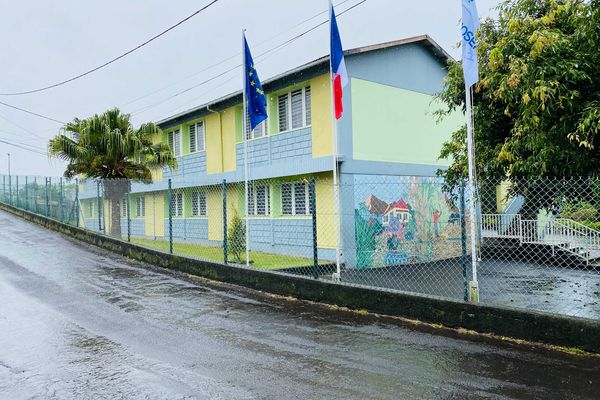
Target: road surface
{"points": [[77, 322]]}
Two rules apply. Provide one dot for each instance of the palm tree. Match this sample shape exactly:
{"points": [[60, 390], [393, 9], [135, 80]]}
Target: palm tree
{"points": [[107, 147]]}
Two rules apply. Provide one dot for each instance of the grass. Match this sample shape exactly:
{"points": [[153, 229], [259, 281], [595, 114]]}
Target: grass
{"points": [[259, 259]]}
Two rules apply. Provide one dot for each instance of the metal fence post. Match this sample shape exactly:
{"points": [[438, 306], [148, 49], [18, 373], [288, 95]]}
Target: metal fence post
{"points": [[4, 188], [170, 218], [61, 200], [463, 240], [99, 206], [127, 209], [313, 211], [35, 197], [10, 189], [26, 195], [17, 193], [47, 199], [225, 221], [76, 202]]}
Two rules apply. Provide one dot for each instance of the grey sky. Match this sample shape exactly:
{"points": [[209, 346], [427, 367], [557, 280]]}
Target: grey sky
{"points": [[48, 41]]}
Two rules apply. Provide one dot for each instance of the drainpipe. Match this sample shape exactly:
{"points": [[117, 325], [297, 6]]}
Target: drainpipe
{"points": [[220, 136]]}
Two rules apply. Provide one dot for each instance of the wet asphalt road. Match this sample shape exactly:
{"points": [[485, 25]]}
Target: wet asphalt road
{"points": [[79, 323]]}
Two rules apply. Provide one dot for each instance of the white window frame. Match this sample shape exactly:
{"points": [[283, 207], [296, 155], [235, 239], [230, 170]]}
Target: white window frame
{"points": [[253, 204], [175, 134], [124, 207], [199, 212], [177, 205], [292, 192], [259, 132], [198, 127], [306, 112], [140, 207]]}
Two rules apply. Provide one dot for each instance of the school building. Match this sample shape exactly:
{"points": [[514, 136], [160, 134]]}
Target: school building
{"points": [[388, 129]]}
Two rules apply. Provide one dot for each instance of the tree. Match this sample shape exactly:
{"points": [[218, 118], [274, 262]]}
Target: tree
{"points": [[537, 105], [108, 147], [236, 234]]}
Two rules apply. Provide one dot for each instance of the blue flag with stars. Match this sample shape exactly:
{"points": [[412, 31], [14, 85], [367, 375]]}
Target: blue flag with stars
{"points": [[257, 102]]}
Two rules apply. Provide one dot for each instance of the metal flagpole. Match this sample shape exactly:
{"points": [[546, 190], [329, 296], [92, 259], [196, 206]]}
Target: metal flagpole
{"points": [[245, 138], [334, 153], [474, 286]]}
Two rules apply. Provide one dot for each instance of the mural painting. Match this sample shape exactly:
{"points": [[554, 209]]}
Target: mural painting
{"points": [[401, 220]]}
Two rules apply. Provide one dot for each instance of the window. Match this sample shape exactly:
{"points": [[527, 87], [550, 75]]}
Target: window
{"points": [[174, 138], [198, 203], [294, 109], [295, 199], [258, 200], [177, 204], [124, 208], [140, 207], [259, 131], [197, 134], [90, 208]]}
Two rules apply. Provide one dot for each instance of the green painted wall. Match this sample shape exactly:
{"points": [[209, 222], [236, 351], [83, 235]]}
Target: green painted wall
{"points": [[397, 125]]}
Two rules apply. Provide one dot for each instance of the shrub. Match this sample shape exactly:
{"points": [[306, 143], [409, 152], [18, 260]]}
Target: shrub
{"points": [[236, 237]]}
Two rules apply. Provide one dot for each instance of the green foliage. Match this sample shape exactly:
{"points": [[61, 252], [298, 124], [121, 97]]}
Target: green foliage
{"points": [[236, 239], [537, 105], [580, 211], [365, 240], [106, 146]]}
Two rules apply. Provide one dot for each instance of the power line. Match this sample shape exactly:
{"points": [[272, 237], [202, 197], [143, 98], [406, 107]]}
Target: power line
{"points": [[23, 147], [264, 54], [114, 59], [20, 127], [233, 56], [22, 143], [33, 113]]}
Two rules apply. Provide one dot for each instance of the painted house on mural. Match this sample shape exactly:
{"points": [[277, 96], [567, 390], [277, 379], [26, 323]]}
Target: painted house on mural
{"points": [[388, 130]]}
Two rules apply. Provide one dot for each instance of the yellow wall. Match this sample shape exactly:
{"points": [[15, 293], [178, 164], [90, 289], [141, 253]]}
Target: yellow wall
{"points": [[325, 211], [502, 196], [157, 173], [229, 133], [106, 215], [155, 215], [214, 205], [214, 154], [321, 116]]}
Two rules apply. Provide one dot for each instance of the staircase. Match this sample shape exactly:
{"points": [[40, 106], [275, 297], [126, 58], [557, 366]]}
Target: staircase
{"points": [[559, 234]]}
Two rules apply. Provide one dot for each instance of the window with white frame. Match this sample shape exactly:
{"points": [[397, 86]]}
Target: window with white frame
{"points": [[174, 138], [197, 135], [140, 207], [124, 208], [198, 203], [295, 199], [177, 204], [259, 200], [259, 131], [294, 109]]}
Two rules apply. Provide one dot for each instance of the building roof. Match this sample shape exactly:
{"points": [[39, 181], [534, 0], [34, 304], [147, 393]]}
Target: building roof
{"points": [[375, 205], [299, 73], [400, 204]]}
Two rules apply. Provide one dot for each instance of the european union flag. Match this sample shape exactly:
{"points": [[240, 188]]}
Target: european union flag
{"points": [[257, 102]]}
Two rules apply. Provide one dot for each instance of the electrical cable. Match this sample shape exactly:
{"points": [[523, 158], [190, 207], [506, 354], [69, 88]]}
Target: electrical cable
{"points": [[114, 59]]}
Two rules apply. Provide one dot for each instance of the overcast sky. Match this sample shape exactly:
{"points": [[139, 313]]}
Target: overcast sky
{"points": [[48, 41]]}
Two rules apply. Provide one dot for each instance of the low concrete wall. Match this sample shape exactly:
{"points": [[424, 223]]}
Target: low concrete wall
{"points": [[528, 325]]}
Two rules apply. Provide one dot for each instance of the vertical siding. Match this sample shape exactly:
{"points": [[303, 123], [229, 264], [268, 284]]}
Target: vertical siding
{"points": [[321, 116]]}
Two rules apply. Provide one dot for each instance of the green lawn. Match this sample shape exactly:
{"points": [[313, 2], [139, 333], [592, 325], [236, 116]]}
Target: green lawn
{"points": [[258, 259]]}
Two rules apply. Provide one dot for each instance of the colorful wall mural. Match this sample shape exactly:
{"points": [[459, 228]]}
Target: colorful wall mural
{"points": [[402, 220]]}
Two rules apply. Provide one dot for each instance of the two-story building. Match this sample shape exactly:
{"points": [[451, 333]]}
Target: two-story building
{"points": [[388, 129]]}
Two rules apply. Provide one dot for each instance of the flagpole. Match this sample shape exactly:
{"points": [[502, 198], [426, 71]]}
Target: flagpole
{"points": [[245, 139], [474, 286], [334, 153]]}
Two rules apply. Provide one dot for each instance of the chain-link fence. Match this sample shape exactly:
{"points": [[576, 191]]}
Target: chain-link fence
{"points": [[53, 197], [537, 241]]}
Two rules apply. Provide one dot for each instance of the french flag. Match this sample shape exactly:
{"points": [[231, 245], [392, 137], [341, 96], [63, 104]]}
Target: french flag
{"points": [[338, 67]]}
